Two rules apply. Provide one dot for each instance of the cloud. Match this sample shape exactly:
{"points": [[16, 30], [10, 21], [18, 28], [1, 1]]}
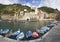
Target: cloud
{"points": [[5, 2], [51, 3], [28, 4], [8, 1], [34, 3]]}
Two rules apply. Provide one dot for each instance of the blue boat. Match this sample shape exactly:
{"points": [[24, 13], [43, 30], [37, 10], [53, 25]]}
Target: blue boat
{"points": [[44, 29], [4, 31], [28, 34], [14, 34], [20, 36], [50, 25]]}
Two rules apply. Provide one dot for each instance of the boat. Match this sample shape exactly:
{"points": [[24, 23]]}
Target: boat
{"points": [[14, 34], [35, 35], [50, 25], [29, 34], [44, 29], [20, 36], [55, 22], [4, 31], [36, 30]]}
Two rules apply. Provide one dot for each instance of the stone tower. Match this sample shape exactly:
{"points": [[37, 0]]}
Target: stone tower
{"points": [[36, 10]]}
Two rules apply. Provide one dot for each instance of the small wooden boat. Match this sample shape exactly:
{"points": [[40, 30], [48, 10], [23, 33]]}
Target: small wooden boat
{"points": [[35, 35], [28, 34], [20, 36], [44, 29], [4, 31], [14, 34], [37, 30], [50, 25]]}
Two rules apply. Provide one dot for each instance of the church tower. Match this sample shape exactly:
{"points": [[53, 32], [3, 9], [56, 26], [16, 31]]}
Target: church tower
{"points": [[36, 10]]}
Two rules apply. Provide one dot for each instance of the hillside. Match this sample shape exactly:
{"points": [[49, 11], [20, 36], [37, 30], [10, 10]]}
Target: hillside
{"points": [[51, 10], [48, 9], [12, 9]]}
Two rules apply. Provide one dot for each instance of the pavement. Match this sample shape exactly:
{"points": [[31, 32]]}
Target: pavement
{"points": [[52, 36]]}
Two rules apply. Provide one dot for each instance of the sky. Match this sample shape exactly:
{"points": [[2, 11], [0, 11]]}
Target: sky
{"points": [[34, 3]]}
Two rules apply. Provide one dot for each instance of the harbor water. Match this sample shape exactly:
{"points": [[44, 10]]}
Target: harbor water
{"points": [[23, 26]]}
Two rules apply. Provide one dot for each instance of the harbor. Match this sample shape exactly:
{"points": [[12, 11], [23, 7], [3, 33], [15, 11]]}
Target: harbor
{"points": [[14, 26], [53, 30], [29, 21]]}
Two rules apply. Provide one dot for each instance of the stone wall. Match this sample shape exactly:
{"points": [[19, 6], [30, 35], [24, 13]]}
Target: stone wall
{"points": [[6, 17]]}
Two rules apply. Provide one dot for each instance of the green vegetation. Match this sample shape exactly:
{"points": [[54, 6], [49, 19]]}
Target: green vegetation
{"points": [[12, 9], [47, 9], [51, 10], [16, 8]]}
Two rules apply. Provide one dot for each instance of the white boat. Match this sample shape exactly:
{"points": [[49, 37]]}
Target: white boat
{"points": [[16, 33], [4, 31], [20, 36]]}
